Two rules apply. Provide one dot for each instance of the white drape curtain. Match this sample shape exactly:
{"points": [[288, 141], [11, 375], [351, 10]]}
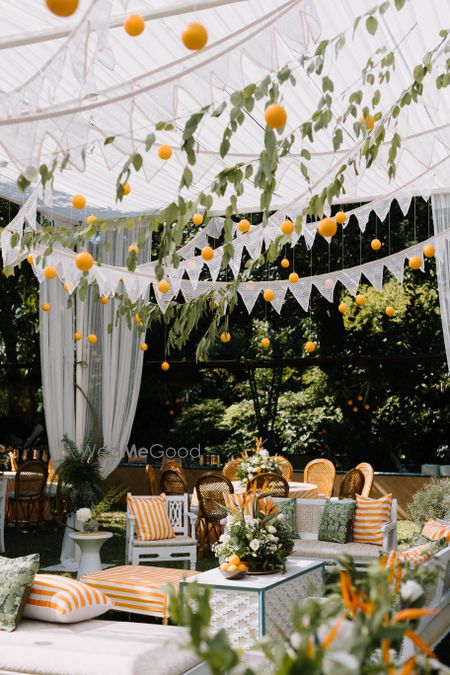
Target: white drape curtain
{"points": [[441, 219]]}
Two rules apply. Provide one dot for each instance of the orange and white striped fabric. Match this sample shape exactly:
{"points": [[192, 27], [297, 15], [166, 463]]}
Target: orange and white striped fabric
{"points": [[136, 588], [62, 600], [433, 530], [415, 555], [151, 517], [370, 515], [236, 502]]}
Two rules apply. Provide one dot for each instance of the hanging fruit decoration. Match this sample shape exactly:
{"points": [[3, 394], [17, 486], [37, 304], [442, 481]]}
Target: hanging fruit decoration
{"points": [[366, 406], [165, 365], [207, 253], [68, 286], [133, 248], [375, 244], [355, 409], [265, 343], [77, 336], [92, 338], [134, 25], [415, 262], [45, 306], [197, 218], [62, 7], [165, 152], [104, 300], [78, 202], [360, 299], [194, 36], [126, 189], [327, 227], [84, 261], [30, 259], [390, 311], [287, 227], [269, 295], [310, 346], [50, 272], [275, 116], [360, 397], [350, 401], [225, 337], [163, 286], [340, 217], [137, 319], [342, 308], [285, 263], [143, 346], [243, 225], [294, 278], [429, 251], [91, 219]]}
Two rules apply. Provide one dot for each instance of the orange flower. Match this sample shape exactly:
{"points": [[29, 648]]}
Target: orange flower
{"points": [[420, 644], [409, 666], [411, 614], [328, 639], [346, 590]]}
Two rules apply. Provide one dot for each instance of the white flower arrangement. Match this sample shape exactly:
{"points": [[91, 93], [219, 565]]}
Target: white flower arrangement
{"points": [[259, 462], [83, 515], [88, 523]]}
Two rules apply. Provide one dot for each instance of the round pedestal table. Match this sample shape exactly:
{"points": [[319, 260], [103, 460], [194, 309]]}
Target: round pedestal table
{"points": [[90, 544]]}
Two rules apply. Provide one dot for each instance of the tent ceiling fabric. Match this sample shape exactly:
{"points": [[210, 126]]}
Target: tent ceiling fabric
{"points": [[98, 82]]}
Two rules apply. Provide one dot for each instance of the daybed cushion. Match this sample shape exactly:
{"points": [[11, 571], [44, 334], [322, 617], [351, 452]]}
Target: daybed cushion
{"points": [[95, 648], [61, 600], [327, 550], [178, 540]]}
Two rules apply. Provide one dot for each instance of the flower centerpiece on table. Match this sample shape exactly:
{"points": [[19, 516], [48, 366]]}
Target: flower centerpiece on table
{"points": [[258, 462], [256, 533], [88, 523]]}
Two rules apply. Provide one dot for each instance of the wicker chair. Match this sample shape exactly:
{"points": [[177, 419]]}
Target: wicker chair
{"points": [[368, 472], [322, 473], [352, 484], [173, 481], [27, 501], [230, 468], [287, 470], [211, 488], [151, 479], [270, 482]]}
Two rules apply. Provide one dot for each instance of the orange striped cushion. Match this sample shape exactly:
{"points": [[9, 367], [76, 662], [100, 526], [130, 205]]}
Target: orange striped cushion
{"points": [[63, 600], [235, 501], [414, 555], [152, 517], [433, 530], [370, 515]]}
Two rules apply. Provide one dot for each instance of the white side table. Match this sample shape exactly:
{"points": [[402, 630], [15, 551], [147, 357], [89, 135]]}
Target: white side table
{"points": [[90, 544]]}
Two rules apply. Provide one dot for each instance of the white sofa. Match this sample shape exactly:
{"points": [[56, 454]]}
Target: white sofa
{"points": [[309, 514], [97, 648]]}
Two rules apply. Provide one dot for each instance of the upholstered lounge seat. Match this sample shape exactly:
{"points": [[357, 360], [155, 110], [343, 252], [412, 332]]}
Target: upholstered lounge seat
{"points": [[181, 541], [330, 550]]}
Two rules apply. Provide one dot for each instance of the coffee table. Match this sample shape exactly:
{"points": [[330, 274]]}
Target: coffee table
{"points": [[90, 544], [259, 605]]}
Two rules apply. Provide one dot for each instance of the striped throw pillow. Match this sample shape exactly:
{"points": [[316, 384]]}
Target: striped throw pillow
{"points": [[151, 517], [435, 530], [414, 555], [61, 600], [370, 515]]}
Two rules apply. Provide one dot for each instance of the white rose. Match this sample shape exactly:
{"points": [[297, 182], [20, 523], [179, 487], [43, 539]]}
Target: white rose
{"points": [[225, 538], [272, 529], [254, 544], [83, 515], [410, 591], [281, 516], [340, 663]]}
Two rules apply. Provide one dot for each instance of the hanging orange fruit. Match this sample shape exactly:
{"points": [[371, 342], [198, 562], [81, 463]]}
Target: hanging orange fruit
{"points": [[390, 311], [340, 217], [310, 346], [62, 7], [269, 295], [293, 278], [342, 308], [207, 253], [415, 262], [197, 218], [45, 306], [360, 299], [165, 365], [137, 319], [163, 286], [429, 251], [30, 259], [91, 219], [275, 116], [225, 337], [355, 408], [350, 401], [50, 272], [285, 263], [78, 202], [287, 227], [375, 244], [133, 248], [134, 25], [77, 336], [104, 300], [265, 343], [327, 227], [92, 338], [194, 36], [84, 261], [143, 346], [368, 121], [68, 286], [165, 152], [243, 225], [126, 189]]}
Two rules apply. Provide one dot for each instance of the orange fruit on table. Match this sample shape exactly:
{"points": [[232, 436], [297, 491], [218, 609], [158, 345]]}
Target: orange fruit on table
{"points": [[165, 152], [375, 244], [126, 189], [143, 346], [197, 218], [163, 286], [84, 261], [92, 338], [367, 122], [234, 559], [91, 219], [429, 251], [62, 7], [275, 116], [207, 253], [310, 346], [390, 311], [342, 308], [415, 262], [104, 300], [165, 365], [244, 225], [77, 336], [225, 337], [233, 568], [45, 306], [287, 227], [242, 567], [50, 272], [194, 36], [285, 263], [340, 217], [360, 299], [30, 259], [78, 201], [265, 343], [134, 25], [133, 248], [224, 566], [293, 278], [327, 227], [269, 295]]}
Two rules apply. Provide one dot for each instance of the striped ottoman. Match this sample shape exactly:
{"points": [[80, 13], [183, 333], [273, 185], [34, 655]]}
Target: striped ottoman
{"points": [[136, 588]]}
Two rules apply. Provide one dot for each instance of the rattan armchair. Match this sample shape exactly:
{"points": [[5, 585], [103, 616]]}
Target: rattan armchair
{"points": [[230, 468], [269, 482], [211, 489], [287, 470], [352, 484], [173, 481], [368, 472], [151, 479], [26, 502], [322, 473]]}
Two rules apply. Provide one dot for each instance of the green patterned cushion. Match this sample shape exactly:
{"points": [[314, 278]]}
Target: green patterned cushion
{"points": [[16, 579], [289, 508], [337, 520]]}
